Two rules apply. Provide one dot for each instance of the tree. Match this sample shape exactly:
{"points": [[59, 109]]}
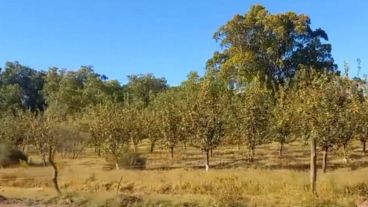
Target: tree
{"points": [[283, 117], [132, 123], [350, 100], [151, 125], [206, 121], [317, 110], [271, 46], [171, 118], [142, 88], [327, 124], [107, 131], [234, 125], [14, 129], [72, 140], [10, 96], [43, 132], [255, 114], [29, 83], [71, 91], [361, 124]]}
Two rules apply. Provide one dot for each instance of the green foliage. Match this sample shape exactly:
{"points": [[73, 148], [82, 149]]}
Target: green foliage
{"points": [[23, 84], [255, 113], [283, 117], [206, 118], [170, 114], [271, 46], [142, 88], [274, 80], [107, 132]]}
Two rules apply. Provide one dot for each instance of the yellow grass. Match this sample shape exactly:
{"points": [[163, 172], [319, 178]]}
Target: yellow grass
{"points": [[270, 181]]}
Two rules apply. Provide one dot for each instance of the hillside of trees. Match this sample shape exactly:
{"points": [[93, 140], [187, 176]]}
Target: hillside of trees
{"points": [[273, 81]]}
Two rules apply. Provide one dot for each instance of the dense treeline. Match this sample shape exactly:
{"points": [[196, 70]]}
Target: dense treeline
{"points": [[274, 81]]}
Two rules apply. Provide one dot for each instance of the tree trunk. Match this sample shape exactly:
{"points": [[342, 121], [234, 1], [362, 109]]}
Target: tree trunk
{"points": [[281, 149], [56, 172], [117, 165], [135, 148], [313, 165], [152, 146], [364, 142], [98, 150], [324, 161], [172, 153], [211, 152], [252, 153], [345, 153], [135, 145], [44, 159], [25, 148], [207, 159]]}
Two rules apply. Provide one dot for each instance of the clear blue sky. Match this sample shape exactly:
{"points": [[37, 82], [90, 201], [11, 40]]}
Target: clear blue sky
{"points": [[166, 37]]}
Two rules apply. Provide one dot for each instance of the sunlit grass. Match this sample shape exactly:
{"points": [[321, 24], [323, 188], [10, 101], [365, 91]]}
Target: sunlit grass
{"points": [[270, 181]]}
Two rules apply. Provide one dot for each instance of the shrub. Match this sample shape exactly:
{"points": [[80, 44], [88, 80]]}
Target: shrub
{"points": [[229, 193], [357, 189], [129, 160], [132, 160], [127, 200], [10, 156]]}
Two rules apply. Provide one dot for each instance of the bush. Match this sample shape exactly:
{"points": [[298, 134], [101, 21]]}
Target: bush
{"points": [[127, 200], [129, 160], [228, 192], [10, 156], [132, 160], [360, 189]]}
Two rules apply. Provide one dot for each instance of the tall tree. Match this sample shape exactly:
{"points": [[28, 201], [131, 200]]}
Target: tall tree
{"points": [[142, 88], [29, 83], [271, 46]]}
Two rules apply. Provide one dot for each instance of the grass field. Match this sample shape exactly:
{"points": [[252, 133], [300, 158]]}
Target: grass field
{"points": [[232, 180]]}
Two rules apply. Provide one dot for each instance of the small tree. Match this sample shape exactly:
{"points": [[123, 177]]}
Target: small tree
{"points": [[283, 118], [132, 124], [14, 128], [316, 108], [206, 116], [362, 127], [349, 114], [72, 140], [255, 115], [171, 118], [43, 133], [151, 126], [106, 122]]}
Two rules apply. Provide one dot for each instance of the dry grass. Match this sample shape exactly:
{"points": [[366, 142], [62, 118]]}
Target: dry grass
{"points": [[233, 181]]}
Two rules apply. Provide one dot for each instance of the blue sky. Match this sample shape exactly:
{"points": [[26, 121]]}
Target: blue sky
{"points": [[165, 37]]}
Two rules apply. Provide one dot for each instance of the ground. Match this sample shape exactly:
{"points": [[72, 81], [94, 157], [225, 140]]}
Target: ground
{"points": [[232, 180]]}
